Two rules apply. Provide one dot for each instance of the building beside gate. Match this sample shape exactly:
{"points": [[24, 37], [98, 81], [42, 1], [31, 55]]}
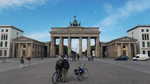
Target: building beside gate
{"points": [[7, 34], [125, 46], [142, 34], [27, 47]]}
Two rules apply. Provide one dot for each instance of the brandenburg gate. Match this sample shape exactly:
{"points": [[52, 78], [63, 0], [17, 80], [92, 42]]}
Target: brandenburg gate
{"points": [[71, 32]]}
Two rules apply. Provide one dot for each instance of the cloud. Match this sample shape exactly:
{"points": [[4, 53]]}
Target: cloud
{"points": [[41, 36], [20, 3], [129, 8]]}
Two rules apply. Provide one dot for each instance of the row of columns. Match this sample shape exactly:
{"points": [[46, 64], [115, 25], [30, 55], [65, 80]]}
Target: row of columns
{"points": [[130, 49], [53, 43], [30, 51]]}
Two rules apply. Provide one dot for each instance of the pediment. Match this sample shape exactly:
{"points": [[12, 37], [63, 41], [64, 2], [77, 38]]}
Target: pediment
{"points": [[126, 39], [23, 38]]}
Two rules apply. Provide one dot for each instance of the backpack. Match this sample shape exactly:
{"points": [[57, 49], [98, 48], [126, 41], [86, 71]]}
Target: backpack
{"points": [[66, 64], [59, 64]]}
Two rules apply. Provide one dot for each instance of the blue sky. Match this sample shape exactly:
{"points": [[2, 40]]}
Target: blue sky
{"points": [[36, 17]]}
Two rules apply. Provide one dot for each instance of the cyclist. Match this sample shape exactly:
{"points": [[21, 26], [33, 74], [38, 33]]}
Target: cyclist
{"points": [[62, 66]]}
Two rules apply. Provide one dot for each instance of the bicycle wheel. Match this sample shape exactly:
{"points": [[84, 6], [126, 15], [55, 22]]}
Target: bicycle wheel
{"points": [[79, 77], [85, 73], [55, 78]]}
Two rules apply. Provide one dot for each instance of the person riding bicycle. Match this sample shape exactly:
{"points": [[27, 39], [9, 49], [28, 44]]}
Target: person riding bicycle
{"points": [[62, 66]]}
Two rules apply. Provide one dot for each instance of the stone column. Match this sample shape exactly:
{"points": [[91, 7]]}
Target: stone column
{"points": [[52, 47], [121, 47], [118, 50], [61, 47], [48, 50], [18, 50], [80, 46], [34, 49], [97, 47], [101, 49], [26, 51], [135, 49], [88, 47], [41, 52], [13, 49], [38, 50], [129, 51], [69, 46], [31, 49]]}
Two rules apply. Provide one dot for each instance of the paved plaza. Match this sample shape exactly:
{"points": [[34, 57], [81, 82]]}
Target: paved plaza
{"points": [[101, 71]]}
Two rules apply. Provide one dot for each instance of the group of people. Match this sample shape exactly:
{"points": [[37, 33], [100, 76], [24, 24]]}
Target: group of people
{"points": [[62, 66]]}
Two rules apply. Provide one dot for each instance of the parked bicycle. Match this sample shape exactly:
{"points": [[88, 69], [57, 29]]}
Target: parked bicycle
{"points": [[56, 77], [61, 68], [81, 72]]}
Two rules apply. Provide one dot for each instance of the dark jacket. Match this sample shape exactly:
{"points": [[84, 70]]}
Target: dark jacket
{"points": [[62, 64]]}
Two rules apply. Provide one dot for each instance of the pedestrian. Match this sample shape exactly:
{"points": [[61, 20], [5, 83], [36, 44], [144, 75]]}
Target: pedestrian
{"points": [[29, 60], [78, 57], [22, 61]]}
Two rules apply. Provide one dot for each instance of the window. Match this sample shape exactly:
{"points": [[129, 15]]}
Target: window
{"points": [[148, 44], [143, 37], [5, 52], [6, 37], [6, 30], [2, 37], [147, 37], [142, 30], [143, 44], [147, 30], [6, 44], [1, 44], [143, 52], [0, 52], [2, 30]]}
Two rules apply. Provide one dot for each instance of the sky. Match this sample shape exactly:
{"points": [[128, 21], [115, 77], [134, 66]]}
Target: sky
{"points": [[113, 17]]}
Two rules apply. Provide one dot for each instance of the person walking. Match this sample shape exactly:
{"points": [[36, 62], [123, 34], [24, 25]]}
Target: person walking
{"points": [[29, 60], [22, 61], [78, 57]]}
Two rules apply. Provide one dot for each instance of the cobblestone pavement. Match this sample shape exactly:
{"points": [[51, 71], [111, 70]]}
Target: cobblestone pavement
{"points": [[13, 63], [101, 71]]}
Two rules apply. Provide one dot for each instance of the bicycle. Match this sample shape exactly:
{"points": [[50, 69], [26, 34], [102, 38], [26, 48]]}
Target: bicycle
{"points": [[56, 77], [81, 72]]}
